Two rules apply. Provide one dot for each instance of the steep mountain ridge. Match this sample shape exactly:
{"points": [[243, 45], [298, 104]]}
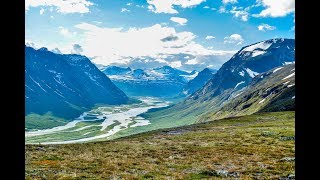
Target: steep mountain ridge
{"points": [[65, 85], [273, 90], [200, 80]]}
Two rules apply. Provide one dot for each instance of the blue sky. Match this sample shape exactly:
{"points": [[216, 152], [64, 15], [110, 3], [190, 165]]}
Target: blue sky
{"points": [[186, 34]]}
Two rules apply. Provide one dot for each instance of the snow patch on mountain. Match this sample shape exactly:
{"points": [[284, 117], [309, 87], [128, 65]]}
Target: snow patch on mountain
{"points": [[262, 101], [238, 84], [277, 69], [251, 73], [241, 73], [289, 76], [286, 63], [257, 53], [262, 45]]}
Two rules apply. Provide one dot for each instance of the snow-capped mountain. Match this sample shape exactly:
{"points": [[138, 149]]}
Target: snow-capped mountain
{"points": [[65, 85], [249, 62], [163, 81], [231, 79], [271, 91], [200, 80], [115, 70]]}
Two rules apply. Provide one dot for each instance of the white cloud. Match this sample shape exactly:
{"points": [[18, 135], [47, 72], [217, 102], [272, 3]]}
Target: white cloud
{"points": [[234, 39], [222, 9], [125, 10], [264, 27], [181, 21], [52, 17], [66, 33], [229, 1], [192, 61], [62, 6], [41, 11], [206, 7], [240, 13], [116, 45], [175, 64], [129, 4], [276, 8], [167, 6], [210, 37]]}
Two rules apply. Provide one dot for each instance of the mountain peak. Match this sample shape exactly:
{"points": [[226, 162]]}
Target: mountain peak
{"points": [[43, 49]]}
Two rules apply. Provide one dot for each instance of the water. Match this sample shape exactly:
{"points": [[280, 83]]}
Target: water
{"points": [[121, 117]]}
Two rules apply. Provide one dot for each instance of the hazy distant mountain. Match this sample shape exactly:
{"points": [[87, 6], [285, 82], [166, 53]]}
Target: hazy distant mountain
{"points": [[160, 82], [200, 80], [65, 84]]}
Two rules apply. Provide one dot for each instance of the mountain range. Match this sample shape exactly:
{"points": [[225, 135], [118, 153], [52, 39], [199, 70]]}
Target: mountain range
{"points": [[159, 82]]}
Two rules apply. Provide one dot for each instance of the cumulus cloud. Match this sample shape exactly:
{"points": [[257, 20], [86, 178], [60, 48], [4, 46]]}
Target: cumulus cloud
{"points": [[66, 33], [276, 8], [158, 44], [76, 49], [210, 37], [125, 10], [229, 1], [264, 27], [167, 6], [181, 21], [62, 6], [206, 7], [234, 39], [129, 4], [240, 13]]}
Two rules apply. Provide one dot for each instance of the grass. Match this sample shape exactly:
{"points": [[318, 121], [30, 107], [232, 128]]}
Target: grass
{"points": [[250, 147], [46, 121]]}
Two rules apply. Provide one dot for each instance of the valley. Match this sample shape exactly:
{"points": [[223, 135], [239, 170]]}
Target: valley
{"points": [[163, 123], [99, 123], [258, 146]]}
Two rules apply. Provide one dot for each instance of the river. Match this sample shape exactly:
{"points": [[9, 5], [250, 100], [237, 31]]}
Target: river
{"points": [[120, 117]]}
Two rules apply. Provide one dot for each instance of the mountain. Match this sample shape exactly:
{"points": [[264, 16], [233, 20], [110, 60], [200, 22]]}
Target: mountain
{"points": [[247, 63], [231, 78], [159, 82], [65, 84], [273, 90], [200, 80], [114, 70]]}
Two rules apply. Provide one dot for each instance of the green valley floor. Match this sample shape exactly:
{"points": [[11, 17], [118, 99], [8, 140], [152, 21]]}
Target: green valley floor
{"points": [[259, 146]]}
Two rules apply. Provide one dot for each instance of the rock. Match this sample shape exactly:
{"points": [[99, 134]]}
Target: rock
{"points": [[40, 149], [223, 173], [288, 159], [287, 138]]}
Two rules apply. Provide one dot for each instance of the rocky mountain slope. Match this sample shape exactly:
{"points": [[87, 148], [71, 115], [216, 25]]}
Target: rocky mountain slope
{"points": [[65, 84], [273, 90]]}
